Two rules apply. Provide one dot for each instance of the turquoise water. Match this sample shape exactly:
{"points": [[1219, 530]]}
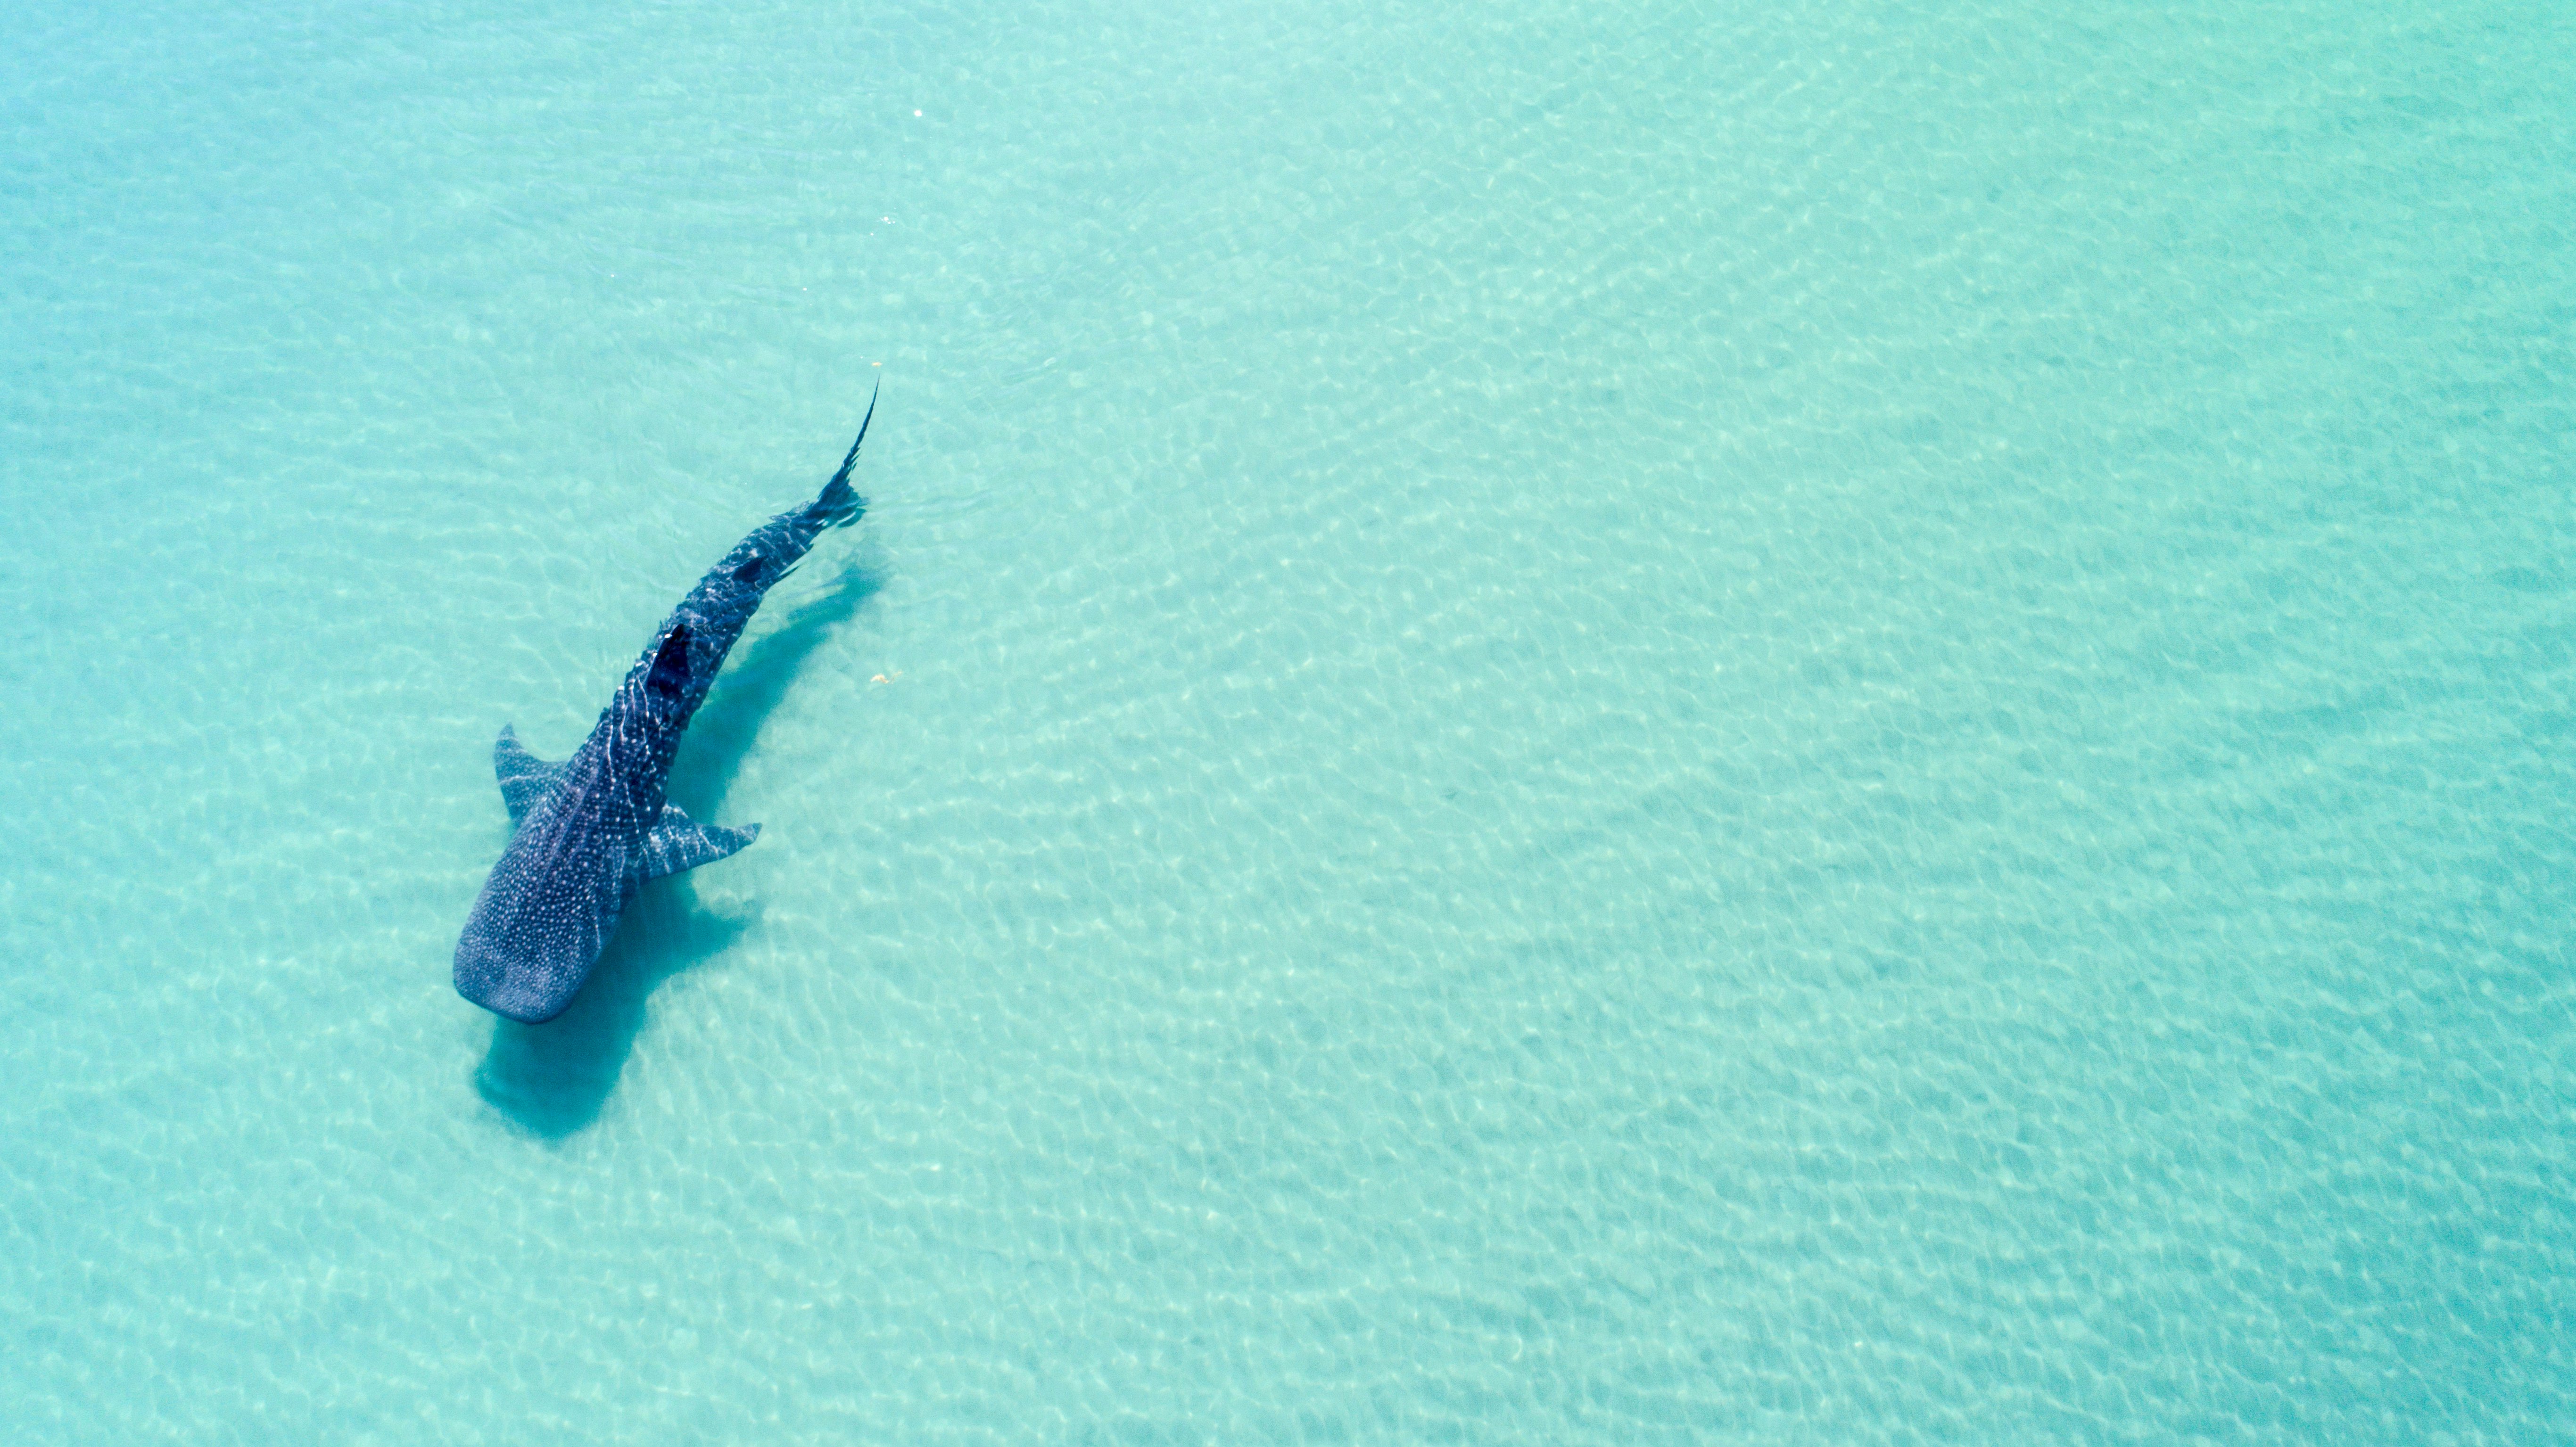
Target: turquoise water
{"points": [[1830, 724]]}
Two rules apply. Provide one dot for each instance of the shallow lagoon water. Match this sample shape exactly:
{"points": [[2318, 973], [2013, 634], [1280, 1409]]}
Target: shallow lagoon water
{"points": [[1829, 724]]}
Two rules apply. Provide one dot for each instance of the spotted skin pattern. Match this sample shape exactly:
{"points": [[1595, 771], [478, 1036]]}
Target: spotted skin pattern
{"points": [[592, 829]]}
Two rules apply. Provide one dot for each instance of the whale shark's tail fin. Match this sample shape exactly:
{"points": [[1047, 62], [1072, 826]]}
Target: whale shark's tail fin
{"points": [[840, 505]]}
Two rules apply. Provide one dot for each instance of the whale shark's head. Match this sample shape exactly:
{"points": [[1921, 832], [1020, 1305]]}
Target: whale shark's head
{"points": [[540, 923], [495, 978]]}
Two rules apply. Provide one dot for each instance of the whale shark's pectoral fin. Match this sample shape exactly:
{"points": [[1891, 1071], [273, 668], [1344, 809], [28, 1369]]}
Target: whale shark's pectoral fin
{"points": [[679, 843], [525, 778]]}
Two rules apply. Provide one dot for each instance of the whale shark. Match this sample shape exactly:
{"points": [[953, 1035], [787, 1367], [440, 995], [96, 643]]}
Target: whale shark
{"points": [[589, 831]]}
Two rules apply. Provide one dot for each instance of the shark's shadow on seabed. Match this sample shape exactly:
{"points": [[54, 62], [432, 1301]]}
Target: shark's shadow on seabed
{"points": [[552, 1079]]}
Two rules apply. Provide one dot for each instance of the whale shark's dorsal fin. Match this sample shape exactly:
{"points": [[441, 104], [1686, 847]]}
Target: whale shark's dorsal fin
{"points": [[679, 843], [525, 778], [670, 673]]}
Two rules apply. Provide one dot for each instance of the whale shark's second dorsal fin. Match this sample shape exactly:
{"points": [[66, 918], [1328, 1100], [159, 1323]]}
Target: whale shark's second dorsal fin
{"points": [[679, 842], [525, 778]]}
